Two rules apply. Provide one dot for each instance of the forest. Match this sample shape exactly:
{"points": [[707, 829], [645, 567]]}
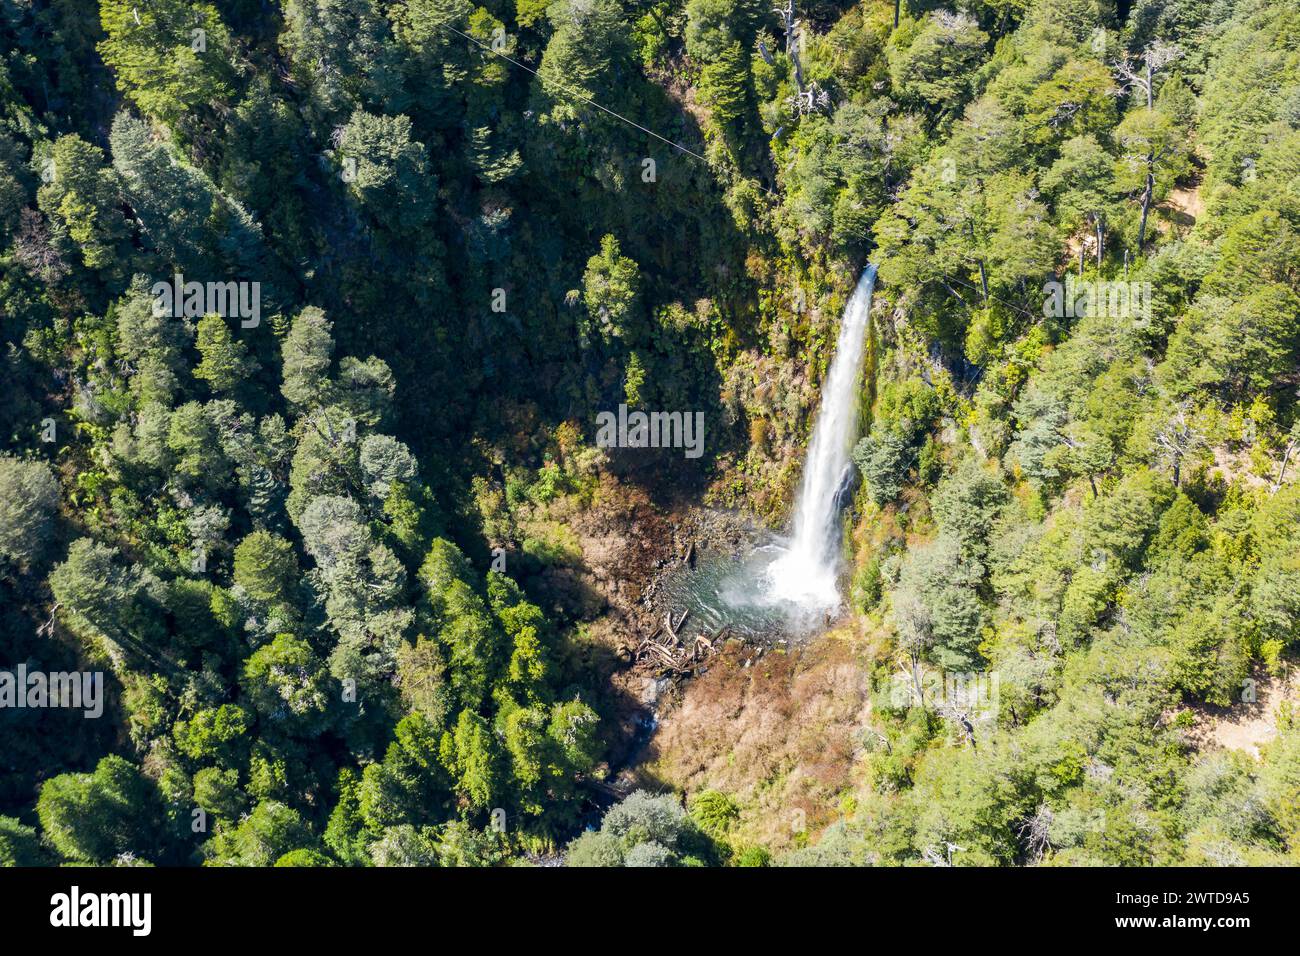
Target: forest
{"points": [[310, 311]]}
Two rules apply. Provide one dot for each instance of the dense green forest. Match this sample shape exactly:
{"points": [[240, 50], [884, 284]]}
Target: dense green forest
{"points": [[318, 543]]}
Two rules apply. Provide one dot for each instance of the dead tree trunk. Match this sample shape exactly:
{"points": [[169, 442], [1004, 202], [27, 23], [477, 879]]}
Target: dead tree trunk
{"points": [[1286, 460], [916, 679], [1147, 195], [791, 26]]}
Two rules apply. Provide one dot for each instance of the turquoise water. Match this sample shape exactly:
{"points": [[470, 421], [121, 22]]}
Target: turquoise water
{"points": [[724, 592]]}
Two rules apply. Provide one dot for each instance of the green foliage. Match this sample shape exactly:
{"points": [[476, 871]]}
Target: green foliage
{"points": [[19, 845], [266, 567], [714, 812], [269, 537], [218, 793], [586, 48], [288, 685], [170, 57], [883, 462], [29, 499], [611, 286], [643, 830], [100, 817], [84, 196], [265, 836], [933, 60], [217, 733], [224, 365]]}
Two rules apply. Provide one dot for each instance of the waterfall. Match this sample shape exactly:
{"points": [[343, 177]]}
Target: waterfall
{"points": [[806, 572]]}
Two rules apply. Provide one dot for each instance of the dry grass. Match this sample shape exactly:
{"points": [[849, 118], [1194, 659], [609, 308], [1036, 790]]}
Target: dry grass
{"points": [[782, 736]]}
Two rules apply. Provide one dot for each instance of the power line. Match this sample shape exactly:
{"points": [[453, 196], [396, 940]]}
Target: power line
{"points": [[663, 139], [590, 101], [990, 296], [586, 99]]}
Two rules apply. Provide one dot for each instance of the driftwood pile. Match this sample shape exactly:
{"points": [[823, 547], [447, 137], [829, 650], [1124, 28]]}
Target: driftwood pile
{"points": [[667, 652]]}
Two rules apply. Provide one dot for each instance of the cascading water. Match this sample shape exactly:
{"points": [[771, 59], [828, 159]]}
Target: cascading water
{"points": [[783, 586], [806, 573]]}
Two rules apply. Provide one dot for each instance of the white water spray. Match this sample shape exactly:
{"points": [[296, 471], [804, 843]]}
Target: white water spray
{"points": [[806, 573]]}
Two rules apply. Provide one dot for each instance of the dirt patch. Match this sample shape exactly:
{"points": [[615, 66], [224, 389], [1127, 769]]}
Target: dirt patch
{"points": [[1187, 201], [1236, 468], [1247, 725], [613, 544], [781, 731], [1180, 210]]}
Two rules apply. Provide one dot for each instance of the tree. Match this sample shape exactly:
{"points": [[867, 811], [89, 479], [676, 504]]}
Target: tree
{"points": [[225, 364], [611, 288], [343, 51], [967, 504], [215, 734], [462, 844], [469, 752], [364, 583], [405, 845], [185, 218], [366, 388], [304, 856], [725, 88], [84, 195], [288, 685], [1080, 183], [386, 463], [937, 605], [421, 675], [712, 26], [156, 344], [595, 849], [1176, 439], [643, 817], [1237, 348], [104, 599], [29, 500], [260, 839], [586, 48], [882, 460], [642, 830], [934, 61], [524, 738], [573, 729], [390, 177], [19, 845], [170, 56], [1078, 100], [307, 355], [217, 792], [1258, 250], [198, 458], [266, 567], [435, 60], [100, 816], [1153, 138]]}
